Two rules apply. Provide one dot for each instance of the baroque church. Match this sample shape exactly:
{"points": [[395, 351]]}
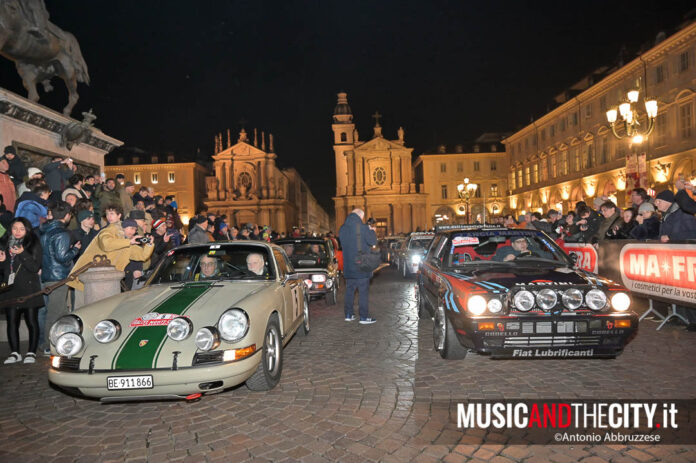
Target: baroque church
{"points": [[375, 175], [249, 188]]}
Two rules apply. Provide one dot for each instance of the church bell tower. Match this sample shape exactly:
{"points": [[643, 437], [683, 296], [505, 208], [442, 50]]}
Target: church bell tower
{"points": [[344, 132]]}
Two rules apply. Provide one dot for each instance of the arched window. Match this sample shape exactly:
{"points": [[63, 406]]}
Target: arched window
{"points": [[344, 136]]}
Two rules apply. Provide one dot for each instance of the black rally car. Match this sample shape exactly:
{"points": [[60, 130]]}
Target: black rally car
{"points": [[515, 294], [315, 261]]}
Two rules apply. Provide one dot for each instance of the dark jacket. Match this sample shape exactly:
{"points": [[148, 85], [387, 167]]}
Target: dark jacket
{"points": [[686, 203], [197, 235], [607, 224], [31, 207], [27, 266], [57, 254], [57, 175], [586, 233], [678, 225], [17, 170], [546, 227], [648, 230], [83, 237], [623, 232], [348, 235], [161, 250]]}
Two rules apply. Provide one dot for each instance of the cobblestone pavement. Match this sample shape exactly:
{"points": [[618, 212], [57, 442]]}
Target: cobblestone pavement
{"points": [[350, 393]]}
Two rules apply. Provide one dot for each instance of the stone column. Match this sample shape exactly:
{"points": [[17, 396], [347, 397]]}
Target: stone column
{"points": [[100, 283], [280, 220]]}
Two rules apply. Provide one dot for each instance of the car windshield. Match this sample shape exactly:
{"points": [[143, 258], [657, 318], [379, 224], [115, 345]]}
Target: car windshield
{"points": [[420, 243], [305, 254], [215, 262], [501, 246]]}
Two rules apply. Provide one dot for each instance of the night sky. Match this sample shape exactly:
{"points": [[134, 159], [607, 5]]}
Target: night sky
{"points": [[166, 76]]}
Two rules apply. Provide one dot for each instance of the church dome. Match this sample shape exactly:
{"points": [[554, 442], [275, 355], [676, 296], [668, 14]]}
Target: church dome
{"points": [[342, 108]]}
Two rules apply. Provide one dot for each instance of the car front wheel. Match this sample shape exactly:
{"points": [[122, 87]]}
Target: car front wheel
{"points": [[267, 375], [303, 330], [331, 297], [444, 338]]}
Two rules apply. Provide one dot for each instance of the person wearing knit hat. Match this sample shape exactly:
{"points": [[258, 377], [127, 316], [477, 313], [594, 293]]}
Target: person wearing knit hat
{"points": [[676, 224], [85, 232], [158, 223], [648, 227]]}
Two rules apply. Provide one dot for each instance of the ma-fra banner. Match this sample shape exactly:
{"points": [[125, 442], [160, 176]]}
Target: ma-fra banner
{"points": [[586, 254], [659, 271]]}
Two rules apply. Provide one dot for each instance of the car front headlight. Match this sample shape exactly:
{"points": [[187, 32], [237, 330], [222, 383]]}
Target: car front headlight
{"points": [[69, 344], [572, 298], [476, 305], [106, 331], [179, 329], [329, 283], [319, 278], [546, 299], [596, 299], [416, 258], [207, 338], [620, 301], [495, 306], [66, 324], [233, 325], [524, 301]]}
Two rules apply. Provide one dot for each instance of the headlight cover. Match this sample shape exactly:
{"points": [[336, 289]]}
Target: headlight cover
{"points": [[179, 329], [69, 344], [106, 331], [66, 324], [329, 283], [495, 306], [233, 325], [319, 278], [416, 258], [546, 299], [620, 301], [596, 299], [572, 298], [207, 338], [524, 301], [476, 305]]}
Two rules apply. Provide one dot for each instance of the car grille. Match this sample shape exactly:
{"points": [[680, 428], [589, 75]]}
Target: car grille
{"points": [[202, 358], [69, 364], [551, 341]]}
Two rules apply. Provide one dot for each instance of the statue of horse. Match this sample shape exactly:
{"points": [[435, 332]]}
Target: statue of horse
{"points": [[40, 49]]}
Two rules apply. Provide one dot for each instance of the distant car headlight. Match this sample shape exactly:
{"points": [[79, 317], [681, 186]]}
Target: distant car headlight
{"points": [[572, 298], [179, 329], [329, 283], [106, 331], [233, 325], [495, 306], [476, 305], [69, 344], [524, 301], [66, 324], [319, 278], [620, 302], [546, 299], [207, 338], [596, 299], [416, 259]]}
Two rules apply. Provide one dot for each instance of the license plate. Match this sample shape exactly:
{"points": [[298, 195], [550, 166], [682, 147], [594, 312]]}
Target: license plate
{"points": [[115, 383]]}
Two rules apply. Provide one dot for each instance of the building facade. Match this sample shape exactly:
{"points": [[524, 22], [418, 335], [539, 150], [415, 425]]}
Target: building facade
{"points": [[249, 188], [375, 175], [438, 174], [183, 180], [570, 154]]}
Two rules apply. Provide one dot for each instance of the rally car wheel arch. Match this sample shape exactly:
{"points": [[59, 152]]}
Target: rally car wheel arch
{"points": [[267, 375], [444, 338]]}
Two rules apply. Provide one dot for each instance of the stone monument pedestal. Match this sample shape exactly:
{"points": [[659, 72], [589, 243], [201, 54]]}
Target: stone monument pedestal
{"points": [[100, 283]]}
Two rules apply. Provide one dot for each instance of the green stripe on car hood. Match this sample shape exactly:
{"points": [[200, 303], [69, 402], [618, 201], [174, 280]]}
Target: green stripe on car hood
{"points": [[131, 355]]}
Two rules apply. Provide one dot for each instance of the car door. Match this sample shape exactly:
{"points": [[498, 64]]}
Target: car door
{"points": [[291, 291], [433, 268]]}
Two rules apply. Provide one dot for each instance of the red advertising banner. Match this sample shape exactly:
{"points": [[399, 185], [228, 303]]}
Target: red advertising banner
{"points": [[663, 271], [587, 258]]}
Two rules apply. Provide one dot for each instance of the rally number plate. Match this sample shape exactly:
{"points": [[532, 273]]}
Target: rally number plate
{"points": [[116, 383]]}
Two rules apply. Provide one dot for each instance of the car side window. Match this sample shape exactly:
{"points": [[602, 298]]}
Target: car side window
{"points": [[432, 251], [282, 263]]}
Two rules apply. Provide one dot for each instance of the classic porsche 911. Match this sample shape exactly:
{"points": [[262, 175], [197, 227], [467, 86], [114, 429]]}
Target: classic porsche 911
{"points": [[210, 317], [515, 294], [315, 262]]}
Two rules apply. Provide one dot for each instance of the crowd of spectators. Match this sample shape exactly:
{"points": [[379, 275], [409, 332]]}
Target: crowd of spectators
{"points": [[54, 221]]}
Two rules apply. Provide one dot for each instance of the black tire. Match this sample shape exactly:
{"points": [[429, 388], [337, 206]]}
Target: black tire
{"points": [[303, 330], [422, 309], [267, 375], [444, 338], [330, 298]]}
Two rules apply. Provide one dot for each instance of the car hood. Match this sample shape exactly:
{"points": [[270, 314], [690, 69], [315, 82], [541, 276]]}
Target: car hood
{"points": [[507, 278]]}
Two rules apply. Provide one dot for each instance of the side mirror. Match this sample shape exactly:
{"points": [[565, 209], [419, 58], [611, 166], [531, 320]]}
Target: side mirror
{"points": [[290, 277], [573, 257]]}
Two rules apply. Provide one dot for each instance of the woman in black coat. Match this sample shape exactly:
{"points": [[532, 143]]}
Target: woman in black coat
{"points": [[20, 262]]}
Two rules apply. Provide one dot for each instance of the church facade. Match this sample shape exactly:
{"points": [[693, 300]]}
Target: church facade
{"points": [[249, 188], [375, 175]]}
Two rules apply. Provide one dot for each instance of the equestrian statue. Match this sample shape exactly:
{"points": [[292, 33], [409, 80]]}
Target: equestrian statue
{"points": [[40, 49]]}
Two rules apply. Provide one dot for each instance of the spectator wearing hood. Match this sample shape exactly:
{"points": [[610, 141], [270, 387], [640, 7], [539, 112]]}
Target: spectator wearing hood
{"points": [[33, 174], [676, 225], [648, 225], [17, 169], [33, 205]]}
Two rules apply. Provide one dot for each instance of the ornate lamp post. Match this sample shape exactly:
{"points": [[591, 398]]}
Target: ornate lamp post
{"points": [[630, 117], [466, 190]]}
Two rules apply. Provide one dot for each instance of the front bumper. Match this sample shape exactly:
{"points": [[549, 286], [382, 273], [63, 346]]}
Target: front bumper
{"points": [[166, 382], [548, 336]]}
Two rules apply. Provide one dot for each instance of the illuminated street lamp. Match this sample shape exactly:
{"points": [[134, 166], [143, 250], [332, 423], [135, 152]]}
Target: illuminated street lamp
{"points": [[466, 190], [630, 117]]}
